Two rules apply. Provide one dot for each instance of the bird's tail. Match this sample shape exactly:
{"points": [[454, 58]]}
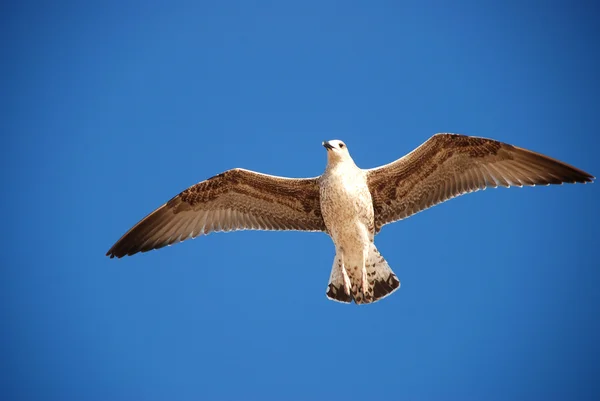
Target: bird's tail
{"points": [[374, 282]]}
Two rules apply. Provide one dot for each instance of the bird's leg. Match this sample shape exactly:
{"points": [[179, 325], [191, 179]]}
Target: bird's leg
{"points": [[365, 282], [347, 285]]}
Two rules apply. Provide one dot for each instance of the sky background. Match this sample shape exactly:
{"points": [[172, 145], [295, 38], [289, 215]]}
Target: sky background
{"points": [[111, 108]]}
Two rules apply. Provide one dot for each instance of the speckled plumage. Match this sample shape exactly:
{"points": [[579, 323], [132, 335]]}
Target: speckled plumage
{"points": [[346, 202], [347, 210]]}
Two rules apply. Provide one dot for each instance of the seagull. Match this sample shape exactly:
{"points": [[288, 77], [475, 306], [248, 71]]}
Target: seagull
{"points": [[346, 202]]}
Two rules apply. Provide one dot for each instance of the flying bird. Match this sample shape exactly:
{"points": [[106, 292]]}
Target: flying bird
{"points": [[346, 202]]}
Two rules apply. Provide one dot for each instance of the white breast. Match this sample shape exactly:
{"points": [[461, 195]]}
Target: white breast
{"points": [[347, 206]]}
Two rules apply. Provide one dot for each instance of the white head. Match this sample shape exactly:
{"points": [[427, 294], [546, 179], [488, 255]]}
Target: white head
{"points": [[337, 151]]}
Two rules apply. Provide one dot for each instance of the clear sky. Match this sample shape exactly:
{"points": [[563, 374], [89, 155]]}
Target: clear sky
{"points": [[111, 108]]}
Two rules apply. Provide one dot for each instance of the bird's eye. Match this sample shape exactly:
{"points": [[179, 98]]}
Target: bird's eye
{"points": [[341, 146]]}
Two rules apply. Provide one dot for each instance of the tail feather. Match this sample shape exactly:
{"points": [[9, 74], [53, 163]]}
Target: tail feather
{"points": [[374, 282], [338, 288], [381, 280]]}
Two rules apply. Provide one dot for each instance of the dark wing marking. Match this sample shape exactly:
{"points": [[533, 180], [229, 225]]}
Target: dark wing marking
{"points": [[234, 200], [449, 165]]}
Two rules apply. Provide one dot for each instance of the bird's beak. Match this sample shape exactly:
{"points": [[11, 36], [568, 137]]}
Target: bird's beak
{"points": [[327, 145]]}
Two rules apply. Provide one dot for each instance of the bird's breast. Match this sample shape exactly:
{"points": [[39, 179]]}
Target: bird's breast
{"points": [[347, 206]]}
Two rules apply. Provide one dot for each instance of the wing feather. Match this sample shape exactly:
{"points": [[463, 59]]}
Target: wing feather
{"points": [[237, 199], [449, 165]]}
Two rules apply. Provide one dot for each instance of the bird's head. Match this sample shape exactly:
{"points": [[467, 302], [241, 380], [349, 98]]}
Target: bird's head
{"points": [[337, 151]]}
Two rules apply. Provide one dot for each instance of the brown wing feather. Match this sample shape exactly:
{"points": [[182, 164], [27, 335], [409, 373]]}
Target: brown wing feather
{"points": [[449, 165], [234, 200]]}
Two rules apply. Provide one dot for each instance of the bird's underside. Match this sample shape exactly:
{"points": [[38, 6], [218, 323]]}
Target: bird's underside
{"points": [[445, 166]]}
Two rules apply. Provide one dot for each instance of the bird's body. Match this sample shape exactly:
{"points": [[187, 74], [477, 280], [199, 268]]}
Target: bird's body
{"points": [[347, 209], [348, 203]]}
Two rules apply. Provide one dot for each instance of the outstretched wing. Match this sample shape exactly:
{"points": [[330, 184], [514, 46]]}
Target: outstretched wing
{"points": [[237, 199], [449, 165]]}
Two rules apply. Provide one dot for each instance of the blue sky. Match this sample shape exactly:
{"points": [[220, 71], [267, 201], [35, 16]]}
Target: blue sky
{"points": [[110, 109]]}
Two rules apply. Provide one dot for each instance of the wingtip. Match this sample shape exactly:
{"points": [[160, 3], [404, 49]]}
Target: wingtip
{"points": [[113, 254], [584, 178]]}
